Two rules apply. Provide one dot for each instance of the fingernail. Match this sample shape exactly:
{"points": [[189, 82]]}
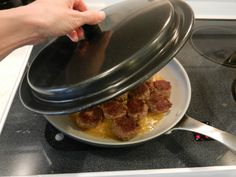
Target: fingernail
{"points": [[102, 14]]}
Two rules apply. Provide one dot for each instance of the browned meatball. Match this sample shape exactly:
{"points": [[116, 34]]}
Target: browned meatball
{"points": [[122, 97], [137, 108], [141, 92], [114, 109], [125, 128], [160, 87], [158, 104], [89, 118]]}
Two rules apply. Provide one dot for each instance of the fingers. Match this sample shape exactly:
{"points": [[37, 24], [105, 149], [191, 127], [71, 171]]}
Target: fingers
{"points": [[80, 5], [73, 36], [83, 16], [91, 17], [80, 33], [76, 35]]}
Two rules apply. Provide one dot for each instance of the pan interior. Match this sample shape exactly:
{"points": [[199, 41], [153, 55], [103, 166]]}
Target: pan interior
{"points": [[180, 98]]}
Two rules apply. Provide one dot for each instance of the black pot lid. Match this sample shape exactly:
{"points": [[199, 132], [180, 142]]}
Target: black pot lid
{"points": [[137, 38]]}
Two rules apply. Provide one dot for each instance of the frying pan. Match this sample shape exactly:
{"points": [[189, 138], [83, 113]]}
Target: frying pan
{"points": [[176, 119]]}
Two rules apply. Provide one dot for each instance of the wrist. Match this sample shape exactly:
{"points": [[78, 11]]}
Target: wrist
{"points": [[28, 25], [18, 27]]}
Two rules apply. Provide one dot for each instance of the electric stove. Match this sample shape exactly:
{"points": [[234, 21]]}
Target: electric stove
{"points": [[29, 145]]}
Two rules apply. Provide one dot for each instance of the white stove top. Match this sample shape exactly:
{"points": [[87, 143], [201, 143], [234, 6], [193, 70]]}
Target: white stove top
{"points": [[11, 71]]}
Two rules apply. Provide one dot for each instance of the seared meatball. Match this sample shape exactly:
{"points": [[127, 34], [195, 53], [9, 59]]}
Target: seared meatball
{"points": [[137, 108], [158, 104], [122, 97], [125, 128], [160, 87], [114, 109], [141, 92], [89, 118]]}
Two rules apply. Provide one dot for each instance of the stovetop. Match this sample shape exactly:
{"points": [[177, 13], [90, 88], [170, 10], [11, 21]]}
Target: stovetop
{"points": [[29, 145]]}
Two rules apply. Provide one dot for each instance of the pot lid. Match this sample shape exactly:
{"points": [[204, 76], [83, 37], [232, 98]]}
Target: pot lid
{"points": [[137, 38]]}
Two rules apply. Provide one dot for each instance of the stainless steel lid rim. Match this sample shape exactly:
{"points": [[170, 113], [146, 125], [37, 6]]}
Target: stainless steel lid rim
{"points": [[187, 13], [104, 90], [65, 108], [52, 93], [106, 87]]}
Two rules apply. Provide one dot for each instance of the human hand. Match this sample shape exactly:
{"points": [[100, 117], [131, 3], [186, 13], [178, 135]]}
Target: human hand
{"points": [[61, 17]]}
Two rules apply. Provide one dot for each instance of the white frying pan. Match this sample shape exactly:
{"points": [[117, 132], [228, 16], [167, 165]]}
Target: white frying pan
{"points": [[176, 119]]}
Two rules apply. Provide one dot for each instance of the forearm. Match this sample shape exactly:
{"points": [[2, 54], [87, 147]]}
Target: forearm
{"points": [[43, 19], [16, 29]]}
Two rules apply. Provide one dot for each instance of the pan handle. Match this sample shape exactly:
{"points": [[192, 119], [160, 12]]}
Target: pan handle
{"points": [[190, 124]]}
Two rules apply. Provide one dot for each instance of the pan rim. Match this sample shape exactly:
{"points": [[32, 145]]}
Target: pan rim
{"points": [[135, 142]]}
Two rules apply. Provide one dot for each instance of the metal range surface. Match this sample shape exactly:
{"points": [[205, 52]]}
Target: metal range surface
{"points": [[29, 145], [136, 40]]}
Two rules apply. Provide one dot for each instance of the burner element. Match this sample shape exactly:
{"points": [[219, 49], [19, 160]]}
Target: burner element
{"points": [[216, 43]]}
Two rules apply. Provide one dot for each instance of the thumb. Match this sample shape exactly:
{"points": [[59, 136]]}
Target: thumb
{"points": [[91, 17]]}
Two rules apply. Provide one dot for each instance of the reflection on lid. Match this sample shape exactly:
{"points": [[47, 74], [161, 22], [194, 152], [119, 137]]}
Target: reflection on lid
{"points": [[88, 58]]}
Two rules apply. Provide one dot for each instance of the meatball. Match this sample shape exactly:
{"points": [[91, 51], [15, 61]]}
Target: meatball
{"points": [[125, 128], [141, 92], [114, 109], [89, 118], [122, 97], [137, 108], [160, 87], [158, 104]]}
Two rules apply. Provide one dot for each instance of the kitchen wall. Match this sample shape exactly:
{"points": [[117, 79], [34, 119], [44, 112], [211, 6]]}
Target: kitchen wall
{"points": [[207, 9], [210, 9], [213, 9]]}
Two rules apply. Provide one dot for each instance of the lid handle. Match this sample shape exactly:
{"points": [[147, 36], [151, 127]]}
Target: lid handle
{"points": [[91, 31]]}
